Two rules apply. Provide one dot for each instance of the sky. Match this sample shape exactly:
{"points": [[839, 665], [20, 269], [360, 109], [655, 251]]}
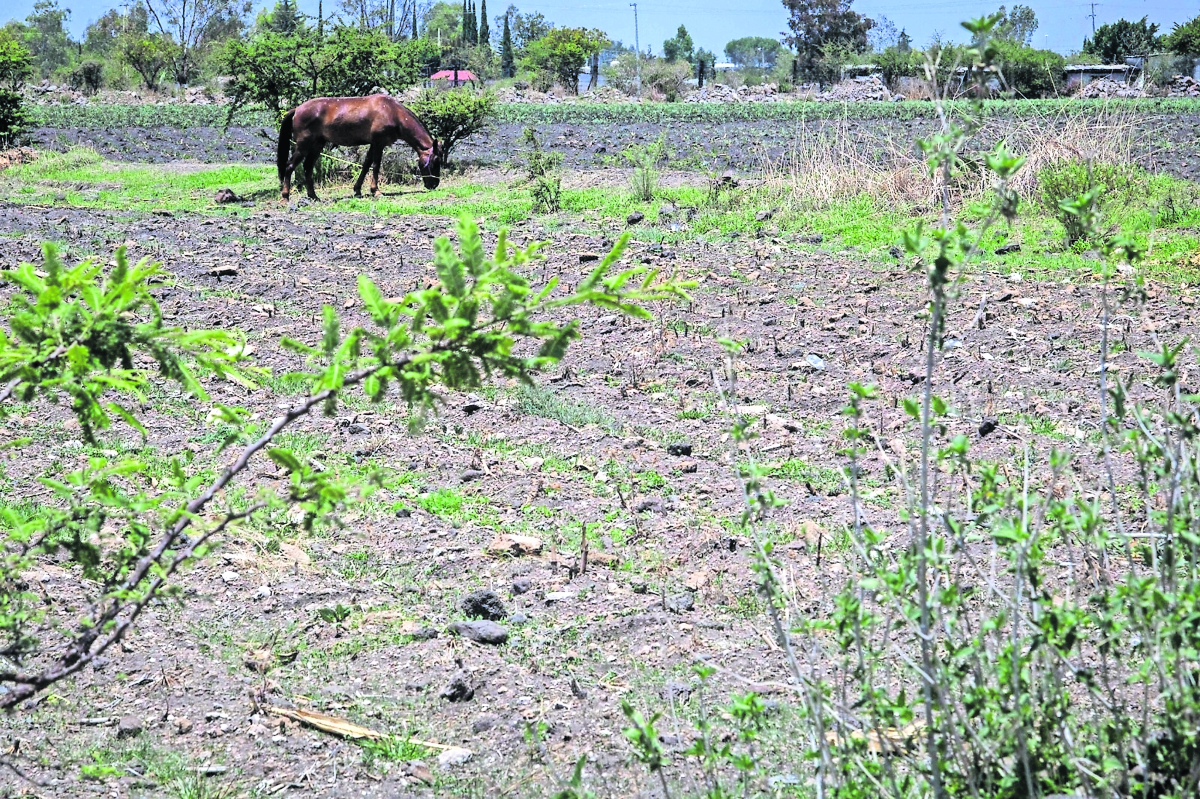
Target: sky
{"points": [[1062, 25]]}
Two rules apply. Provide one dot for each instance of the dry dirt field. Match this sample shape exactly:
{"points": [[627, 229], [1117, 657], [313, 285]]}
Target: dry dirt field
{"points": [[627, 443]]}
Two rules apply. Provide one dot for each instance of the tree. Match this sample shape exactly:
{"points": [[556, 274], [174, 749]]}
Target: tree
{"points": [[101, 36], [816, 24], [1029, 72], [195, 26], [904, 43], [284, 19], [526, 28], [148, 54], [508, 67], [46, 36], [883, 35], [1184, 39], [753, 51], [16, 65], [485, 34], [1017, 25], [443, 20], [562, 52], [1115, 41], [387, 15], [94, 337], [680, 47], [454, 114]]}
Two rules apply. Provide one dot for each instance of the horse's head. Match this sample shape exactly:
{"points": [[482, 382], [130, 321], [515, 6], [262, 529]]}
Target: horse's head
{"points": [[429, 162]]}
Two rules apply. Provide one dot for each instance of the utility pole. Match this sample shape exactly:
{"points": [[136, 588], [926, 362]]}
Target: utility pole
{"points": [[1093, 16], [637, 50]]}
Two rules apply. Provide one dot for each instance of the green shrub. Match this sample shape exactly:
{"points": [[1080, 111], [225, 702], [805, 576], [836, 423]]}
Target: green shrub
{"points": [[16, 65], [544, 173], [1064, 181], [88, 77], [453, 115], [1029, 72]]}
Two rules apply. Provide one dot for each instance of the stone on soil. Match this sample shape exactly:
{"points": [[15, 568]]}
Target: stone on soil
{"points": [[481, 632], [484, 604]]}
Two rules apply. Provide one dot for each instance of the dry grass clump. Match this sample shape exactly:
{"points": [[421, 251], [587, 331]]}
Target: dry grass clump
{"points": [[836, 162]]}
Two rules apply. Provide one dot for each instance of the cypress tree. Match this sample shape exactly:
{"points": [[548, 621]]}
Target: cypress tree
{"points": [[507, 67], [485, 34], [466, 37], [416, 33], [474, 25]]}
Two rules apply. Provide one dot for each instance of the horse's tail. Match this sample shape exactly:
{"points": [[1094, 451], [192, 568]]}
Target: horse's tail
{"points": [[285, 142]]}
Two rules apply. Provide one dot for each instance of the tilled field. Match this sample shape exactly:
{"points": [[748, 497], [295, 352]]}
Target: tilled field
{"points": [[1164, 142], [674, 584]]}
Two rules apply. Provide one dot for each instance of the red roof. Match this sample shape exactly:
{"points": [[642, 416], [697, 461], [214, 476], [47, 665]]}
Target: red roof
{"points": [[449, 74]]}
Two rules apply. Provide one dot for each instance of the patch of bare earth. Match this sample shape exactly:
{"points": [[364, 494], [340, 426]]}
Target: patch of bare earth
{"points": [[199, 677]]}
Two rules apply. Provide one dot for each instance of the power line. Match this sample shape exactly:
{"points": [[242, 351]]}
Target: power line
{"points": [[1093, 16]]}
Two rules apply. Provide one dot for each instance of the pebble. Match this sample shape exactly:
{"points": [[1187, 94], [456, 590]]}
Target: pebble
{"points": [[229, 577], [454, 757], [518, 618], [483, 604], [457, 690], [681, 603], [129, 727], [635, 217], [558, 596], [680, 449], [485, 723], [482, 632], [520, 585]]}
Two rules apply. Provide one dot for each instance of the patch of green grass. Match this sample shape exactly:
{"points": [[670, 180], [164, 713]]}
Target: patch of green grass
{"points": [[538, 401], [823, 479], [393, 749]]}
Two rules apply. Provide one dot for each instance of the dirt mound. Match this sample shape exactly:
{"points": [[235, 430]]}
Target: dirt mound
{"points": [[17, 156], [1183, 86], [860, 90], [1104, 88]]}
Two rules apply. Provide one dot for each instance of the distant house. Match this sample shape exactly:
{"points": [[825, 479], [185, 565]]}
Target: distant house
{"points": [[725, 66], [454, 77], [1080, 75]]}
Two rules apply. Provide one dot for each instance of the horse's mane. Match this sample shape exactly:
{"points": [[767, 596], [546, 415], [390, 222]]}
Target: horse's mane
{"points": [[401, 106]]}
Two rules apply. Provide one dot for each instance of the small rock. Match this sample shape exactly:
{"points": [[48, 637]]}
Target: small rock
{"points": [[652, 505], [484, 723], [226, 196], [681, 603], [425, 634], [676, 691], [129, 727], [263, 592], [229, 577], [506, 544], [689, 467], [470, 474], [588, 257], [356, 427], [577, 690], [763, 216], [634, 218], [483, 604], [558, 596], [457, 690], [403, 513], [183, 726], [518, 618], [986, 426], [680, 449], [815, 361], [1008, 248], [454, 757], [481, 632], [521, 585], [639, 586]]}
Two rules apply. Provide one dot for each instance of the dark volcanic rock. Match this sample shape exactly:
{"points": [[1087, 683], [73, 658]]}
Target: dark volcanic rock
{"points": [[482, 632], [483, 604]]}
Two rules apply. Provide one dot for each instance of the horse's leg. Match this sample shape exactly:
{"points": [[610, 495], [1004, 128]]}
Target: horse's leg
{"points": [[375, 171], [310, 165], [362, 175], [372, 157], [292, 163]]}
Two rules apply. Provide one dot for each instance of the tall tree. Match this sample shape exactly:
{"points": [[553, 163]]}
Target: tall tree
{"points": [[562, 52], [415, 33], [753, 51], [1017, 25], [485, 34], [284, 19], [508, 67], [526, 28], [195, 26], [817, 23], [1117, 40], [680, 47], [46, 37], [904, 43], [883, 35], [1184, 39]]}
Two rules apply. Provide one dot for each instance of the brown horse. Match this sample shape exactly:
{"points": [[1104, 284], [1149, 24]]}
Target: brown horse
{"points": [[376, 121]]}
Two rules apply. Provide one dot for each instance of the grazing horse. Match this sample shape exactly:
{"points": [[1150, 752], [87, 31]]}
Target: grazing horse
{"points": [[376, 121]]}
